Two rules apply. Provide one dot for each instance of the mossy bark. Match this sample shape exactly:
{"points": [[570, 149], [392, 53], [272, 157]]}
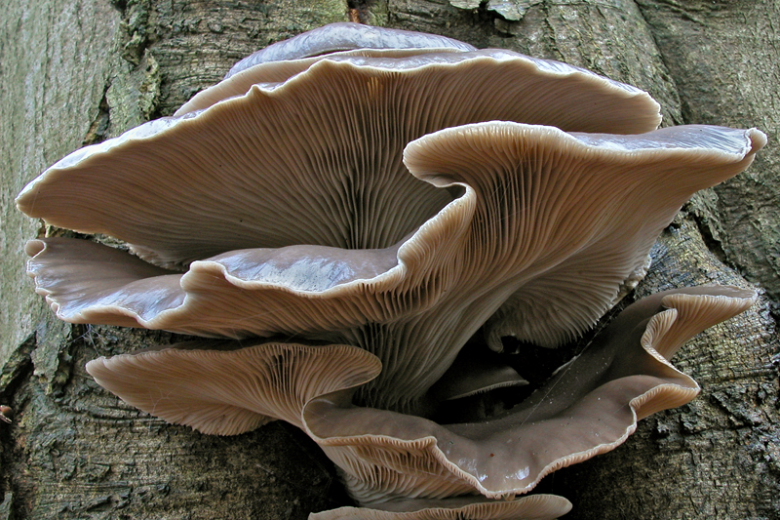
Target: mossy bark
{"points": [[74, 72]]}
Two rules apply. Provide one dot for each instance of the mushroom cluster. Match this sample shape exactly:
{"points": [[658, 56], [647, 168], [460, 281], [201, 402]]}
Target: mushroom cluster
{"points": [[344, 212]]}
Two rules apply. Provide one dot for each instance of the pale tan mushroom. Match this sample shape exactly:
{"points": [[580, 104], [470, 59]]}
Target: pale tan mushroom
{"points": [[315, 160], [392, 461], [531, 224], [337, 37], [233, 390], [384, 204], [279, 62], [534, 507]]}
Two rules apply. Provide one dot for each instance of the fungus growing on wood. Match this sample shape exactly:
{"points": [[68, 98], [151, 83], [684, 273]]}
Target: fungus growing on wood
{"points": [[587, 408], [384, 204]]}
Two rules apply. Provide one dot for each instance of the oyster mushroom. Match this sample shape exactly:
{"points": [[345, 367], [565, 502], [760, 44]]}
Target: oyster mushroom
{"points": [[389, 203], [392, 461], [530, 223]]}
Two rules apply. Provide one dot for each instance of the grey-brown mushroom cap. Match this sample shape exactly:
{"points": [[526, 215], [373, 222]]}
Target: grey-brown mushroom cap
{"points": [[243, 293], [584, 216], [533, 195], [316, 160], [269, 75], [534, 507], [231, 391], [590, 406], [346, 36], [279, 62], [533, 223]]}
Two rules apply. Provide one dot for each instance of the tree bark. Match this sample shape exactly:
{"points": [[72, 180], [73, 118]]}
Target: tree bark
{"points": [[73, 72]]}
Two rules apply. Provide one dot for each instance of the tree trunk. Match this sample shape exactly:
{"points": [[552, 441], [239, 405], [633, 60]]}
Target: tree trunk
{"points": [[73, 72]]}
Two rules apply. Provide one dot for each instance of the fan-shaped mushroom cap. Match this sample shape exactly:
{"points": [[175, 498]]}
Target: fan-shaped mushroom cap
{"points": [[269, 75], [534, 507], [474, 372], [347, 36], [589, 406], [226, 392], [579, 214], [533, 225], [315, 160], [279, 62]]}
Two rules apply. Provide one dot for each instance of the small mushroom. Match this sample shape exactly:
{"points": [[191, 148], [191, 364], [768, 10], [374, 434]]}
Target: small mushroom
{"points": [[218, 388], [6, 414]]}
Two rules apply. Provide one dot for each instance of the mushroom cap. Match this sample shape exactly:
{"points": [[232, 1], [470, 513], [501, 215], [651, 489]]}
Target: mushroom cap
{"points": [[590, 406], [279, 62], [534, 507], [316, 159], [579, 212], [347, 36], [270, 75], [475, 372], [218, 389], [532, 234]]}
